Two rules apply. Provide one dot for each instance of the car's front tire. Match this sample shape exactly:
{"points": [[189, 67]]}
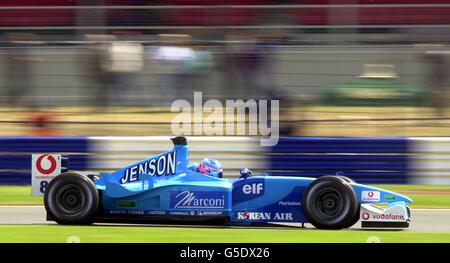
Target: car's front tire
{"points": [[348, 179], [71, 198], [330, 202], [356, 218]]}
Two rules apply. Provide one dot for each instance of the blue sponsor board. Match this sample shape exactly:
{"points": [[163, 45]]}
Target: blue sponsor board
{"points": [[365, 160], [16, 155], [198, 199]]}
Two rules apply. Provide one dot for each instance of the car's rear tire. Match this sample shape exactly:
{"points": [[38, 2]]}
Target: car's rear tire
{"points": [[330, 202], [71, 198]]}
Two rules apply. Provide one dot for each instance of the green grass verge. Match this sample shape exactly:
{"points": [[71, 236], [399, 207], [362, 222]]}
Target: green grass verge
{"points": [[18, 195], [136, 234], [426, 201], [424, 196], [414, 187]]}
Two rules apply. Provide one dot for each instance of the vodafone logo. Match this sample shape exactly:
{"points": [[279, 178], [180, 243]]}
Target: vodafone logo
{"points": [[46, 164], [371, 196], [365, 216], [389, 217], [382, 217]]}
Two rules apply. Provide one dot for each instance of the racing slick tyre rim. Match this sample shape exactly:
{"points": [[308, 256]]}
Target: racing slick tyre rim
{"points": [[327, 203], [330, 202], [71, 198]]}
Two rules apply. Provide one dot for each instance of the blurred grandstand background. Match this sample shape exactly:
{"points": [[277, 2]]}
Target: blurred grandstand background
{"points": [[113, 67]]}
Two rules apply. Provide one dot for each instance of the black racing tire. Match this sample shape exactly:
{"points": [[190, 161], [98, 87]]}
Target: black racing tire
{"points": [[329, 202], [71, 199], [348, 179], [356, 218]]}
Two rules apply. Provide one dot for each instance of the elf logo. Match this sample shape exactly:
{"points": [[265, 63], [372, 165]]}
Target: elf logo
{"points": [[253, 188]]}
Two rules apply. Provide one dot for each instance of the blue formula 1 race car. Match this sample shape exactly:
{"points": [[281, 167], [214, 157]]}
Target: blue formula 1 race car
{"points": [[166, 188]]}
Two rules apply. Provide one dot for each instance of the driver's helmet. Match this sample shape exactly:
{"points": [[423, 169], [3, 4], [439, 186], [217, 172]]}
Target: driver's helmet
{"points": [[210, 167]]}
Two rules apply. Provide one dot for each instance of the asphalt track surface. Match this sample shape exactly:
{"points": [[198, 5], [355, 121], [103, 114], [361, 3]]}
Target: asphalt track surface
{"points": [[422, 220]]}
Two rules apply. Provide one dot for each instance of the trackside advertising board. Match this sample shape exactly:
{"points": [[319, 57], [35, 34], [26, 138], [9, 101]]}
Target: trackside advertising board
{"points": [[44, 167]]}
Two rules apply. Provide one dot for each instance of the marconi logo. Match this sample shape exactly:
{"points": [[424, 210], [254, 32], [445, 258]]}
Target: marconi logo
{"points": [[51, 167], [201, 199], [163, 165]]}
